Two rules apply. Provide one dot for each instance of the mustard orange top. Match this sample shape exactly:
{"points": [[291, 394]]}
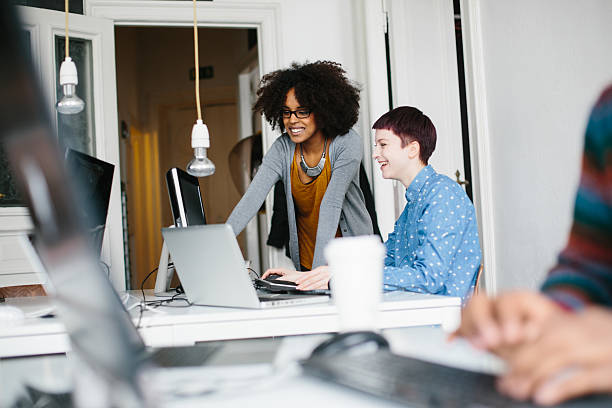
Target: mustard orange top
{"points": [[307, 201]]}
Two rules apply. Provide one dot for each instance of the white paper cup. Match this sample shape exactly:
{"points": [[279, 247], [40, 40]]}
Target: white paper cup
{"points": [[356, 265]]}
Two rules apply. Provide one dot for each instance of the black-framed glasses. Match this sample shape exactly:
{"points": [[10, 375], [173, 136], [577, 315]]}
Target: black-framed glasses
{"points": [[299, 113]]}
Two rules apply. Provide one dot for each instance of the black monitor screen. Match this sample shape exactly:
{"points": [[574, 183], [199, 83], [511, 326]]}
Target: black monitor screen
{"points": [[185, 198], [94, 179]]}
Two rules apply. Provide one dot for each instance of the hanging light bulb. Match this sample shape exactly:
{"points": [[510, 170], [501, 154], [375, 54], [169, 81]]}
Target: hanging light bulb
{"points": [[68, 79], [70, 102], [200, 165]]}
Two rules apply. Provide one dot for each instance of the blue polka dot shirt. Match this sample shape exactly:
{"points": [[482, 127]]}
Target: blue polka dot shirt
{"points": [[434, 246]]}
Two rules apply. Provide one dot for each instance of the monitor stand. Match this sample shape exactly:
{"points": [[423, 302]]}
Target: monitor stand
{"points": [[164, 273]]}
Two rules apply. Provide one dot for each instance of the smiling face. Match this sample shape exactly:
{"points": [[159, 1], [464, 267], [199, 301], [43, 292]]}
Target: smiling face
{"points": [[300, 129], [396, 162]]}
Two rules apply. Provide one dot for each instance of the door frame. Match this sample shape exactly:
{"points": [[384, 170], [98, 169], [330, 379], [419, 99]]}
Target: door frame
{"points": [[407, 68], [480, 136], [424, 72], [265, 16]]}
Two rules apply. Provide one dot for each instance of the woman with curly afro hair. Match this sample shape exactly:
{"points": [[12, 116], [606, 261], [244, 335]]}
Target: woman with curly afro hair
{"points": [[317, 157]]}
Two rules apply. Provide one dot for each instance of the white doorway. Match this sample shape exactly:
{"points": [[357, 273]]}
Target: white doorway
{"points": [[156, 100]]}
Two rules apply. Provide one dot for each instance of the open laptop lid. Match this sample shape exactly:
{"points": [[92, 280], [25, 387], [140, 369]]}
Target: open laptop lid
{"points": [[211, 267], [100, 329]]}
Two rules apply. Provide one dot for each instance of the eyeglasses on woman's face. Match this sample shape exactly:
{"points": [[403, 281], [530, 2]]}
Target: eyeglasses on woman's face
{"points": [[299, 113]]}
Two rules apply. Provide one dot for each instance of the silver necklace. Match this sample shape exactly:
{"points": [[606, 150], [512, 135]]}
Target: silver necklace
{"points": [[316, 170]]}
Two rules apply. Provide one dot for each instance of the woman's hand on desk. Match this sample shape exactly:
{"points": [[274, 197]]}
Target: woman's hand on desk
{"points": [[287, 274], [318, 278]]}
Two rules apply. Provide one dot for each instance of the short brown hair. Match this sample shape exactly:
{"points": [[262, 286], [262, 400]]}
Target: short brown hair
{"points": [[410, 124]]}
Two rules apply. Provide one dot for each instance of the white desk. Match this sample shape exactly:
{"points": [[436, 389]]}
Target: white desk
{"points": [[52, 373], [167, 326]]}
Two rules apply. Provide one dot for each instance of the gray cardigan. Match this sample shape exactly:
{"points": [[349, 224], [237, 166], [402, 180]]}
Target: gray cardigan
{"points": [[343, 203]]}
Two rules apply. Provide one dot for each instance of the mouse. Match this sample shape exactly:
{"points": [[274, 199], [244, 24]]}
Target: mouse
{"points": [[277, 279], [358, 342]]}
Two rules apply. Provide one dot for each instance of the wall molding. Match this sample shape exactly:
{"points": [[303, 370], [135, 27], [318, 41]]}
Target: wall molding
{"points": [[480, 136]]}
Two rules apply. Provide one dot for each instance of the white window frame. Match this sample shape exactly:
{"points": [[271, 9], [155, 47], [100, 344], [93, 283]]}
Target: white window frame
{"points": [[43, 25]]}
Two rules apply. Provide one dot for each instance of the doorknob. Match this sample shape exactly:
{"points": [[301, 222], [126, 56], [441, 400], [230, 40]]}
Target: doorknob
{"points": [[459, 181]]}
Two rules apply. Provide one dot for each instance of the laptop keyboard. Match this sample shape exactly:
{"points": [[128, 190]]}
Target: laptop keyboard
{"points": [[419, 383]]}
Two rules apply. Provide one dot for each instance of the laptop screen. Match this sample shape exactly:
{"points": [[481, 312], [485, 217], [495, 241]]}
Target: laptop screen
{"points": [[100, 329]]}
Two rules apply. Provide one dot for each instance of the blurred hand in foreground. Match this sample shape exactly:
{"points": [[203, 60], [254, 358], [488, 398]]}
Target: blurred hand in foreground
{"points": [[571, 357], [498, 324]]}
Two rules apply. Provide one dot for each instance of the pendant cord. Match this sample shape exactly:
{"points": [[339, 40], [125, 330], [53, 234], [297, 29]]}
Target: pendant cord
{"points": [[67, 54], [197, 64]]}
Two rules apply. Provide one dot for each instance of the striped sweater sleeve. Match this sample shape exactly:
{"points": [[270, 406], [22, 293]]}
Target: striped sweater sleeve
{"points": [[583, 274]]}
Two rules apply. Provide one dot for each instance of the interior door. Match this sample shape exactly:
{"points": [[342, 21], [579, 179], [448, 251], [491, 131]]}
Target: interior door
{"points": [[424, 74], [93, 131]]}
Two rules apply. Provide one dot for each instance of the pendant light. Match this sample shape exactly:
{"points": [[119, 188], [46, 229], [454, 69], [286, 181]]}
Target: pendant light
{"points": [[70, 102], [200, 165]]}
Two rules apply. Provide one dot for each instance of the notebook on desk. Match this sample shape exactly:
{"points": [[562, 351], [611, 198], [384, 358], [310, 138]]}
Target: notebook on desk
{"points": [[212, 272]]}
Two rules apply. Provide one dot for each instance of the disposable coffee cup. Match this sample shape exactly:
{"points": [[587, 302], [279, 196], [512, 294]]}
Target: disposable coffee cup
{"points": [[356, 265]]}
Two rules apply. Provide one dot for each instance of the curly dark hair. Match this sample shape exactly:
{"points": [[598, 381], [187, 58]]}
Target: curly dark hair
{"points": [[322, 86]]}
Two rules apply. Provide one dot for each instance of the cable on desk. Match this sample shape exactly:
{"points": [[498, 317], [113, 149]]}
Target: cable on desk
{"points": [[253, 272], [144, 304]]}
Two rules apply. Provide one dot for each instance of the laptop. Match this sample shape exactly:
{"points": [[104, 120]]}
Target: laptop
{"points": [[112, 358], [212, 272]]}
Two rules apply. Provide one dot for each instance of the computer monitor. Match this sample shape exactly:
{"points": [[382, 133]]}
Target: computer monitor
{"points": [[94, 179], [187, 210], [185, 198]]}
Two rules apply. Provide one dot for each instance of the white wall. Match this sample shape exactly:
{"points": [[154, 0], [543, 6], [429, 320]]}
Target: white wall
{"points": [[324, 30], [543, 64]]}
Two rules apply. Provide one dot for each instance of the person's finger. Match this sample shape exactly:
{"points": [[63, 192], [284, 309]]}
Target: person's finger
{"points": [[304, 276], [510, 312], [512, 386], [522, 315], [274, 271], [313, 281], [534, 362], [313, 284], [574, 383], [312, 276], [560, 352], [308, 276], [478, 323]]}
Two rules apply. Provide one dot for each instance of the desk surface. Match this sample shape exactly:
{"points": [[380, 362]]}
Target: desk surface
{"points": [[172, 326], [284, 384]]}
